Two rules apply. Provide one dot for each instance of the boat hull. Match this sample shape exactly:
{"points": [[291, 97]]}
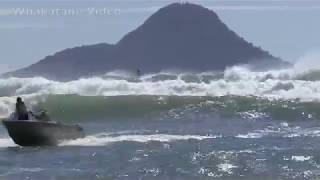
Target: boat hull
{"points": [[37, 133]]}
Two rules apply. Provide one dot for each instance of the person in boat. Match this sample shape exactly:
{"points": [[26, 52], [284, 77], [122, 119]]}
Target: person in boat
{"points": [[42, 116], [21, 110]]}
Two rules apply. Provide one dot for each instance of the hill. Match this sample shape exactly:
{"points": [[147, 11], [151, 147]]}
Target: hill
{"points": [[178, 36]]}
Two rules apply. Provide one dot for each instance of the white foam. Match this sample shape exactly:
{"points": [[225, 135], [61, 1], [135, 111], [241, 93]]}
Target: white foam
{"points": [[301, 158], [227, 168], [251, 135], [6, 106], [282, 130], [252, 115], [101, 140], [6, 142], [33, 170], [238, 80], [206, 172]]}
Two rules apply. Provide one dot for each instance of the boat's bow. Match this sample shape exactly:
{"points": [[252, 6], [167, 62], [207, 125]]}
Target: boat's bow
{"points": [[37, 133]]}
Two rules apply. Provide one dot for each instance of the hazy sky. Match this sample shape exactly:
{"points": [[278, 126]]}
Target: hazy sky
{"points": [[31, 30]]}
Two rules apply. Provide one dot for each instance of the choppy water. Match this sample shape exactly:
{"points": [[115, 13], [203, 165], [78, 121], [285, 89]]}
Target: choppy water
{"points": [[236, 124]]}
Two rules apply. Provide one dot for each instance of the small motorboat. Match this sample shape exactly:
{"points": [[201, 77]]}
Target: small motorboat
{"points": [[41, 133]]}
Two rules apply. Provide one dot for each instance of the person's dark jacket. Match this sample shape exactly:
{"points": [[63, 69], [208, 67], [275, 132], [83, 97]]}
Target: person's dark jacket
{"points": [[22, 111]]}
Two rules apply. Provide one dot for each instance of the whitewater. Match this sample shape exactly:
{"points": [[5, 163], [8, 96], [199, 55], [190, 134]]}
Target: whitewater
{"points": [[288, 84], [238, 123]]}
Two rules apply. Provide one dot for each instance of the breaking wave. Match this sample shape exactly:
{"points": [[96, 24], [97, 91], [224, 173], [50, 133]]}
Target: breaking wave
{"points": [[238, 91], [283, 84]]}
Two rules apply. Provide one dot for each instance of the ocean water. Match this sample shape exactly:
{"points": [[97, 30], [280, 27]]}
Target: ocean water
{"points": [[236, 124]]}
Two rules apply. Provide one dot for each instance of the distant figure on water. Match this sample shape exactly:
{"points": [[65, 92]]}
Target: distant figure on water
{"points": [[21, 110], [138, 73]]}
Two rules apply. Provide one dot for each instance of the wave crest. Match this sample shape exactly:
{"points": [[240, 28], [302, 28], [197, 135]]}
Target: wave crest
{"points": [[270, 91]]}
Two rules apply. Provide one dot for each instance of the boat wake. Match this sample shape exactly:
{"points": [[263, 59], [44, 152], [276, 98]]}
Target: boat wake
{"points": [[105, 139]]}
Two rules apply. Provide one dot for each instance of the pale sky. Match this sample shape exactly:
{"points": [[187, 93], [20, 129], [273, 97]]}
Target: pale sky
{"points": [[31, 30]]}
